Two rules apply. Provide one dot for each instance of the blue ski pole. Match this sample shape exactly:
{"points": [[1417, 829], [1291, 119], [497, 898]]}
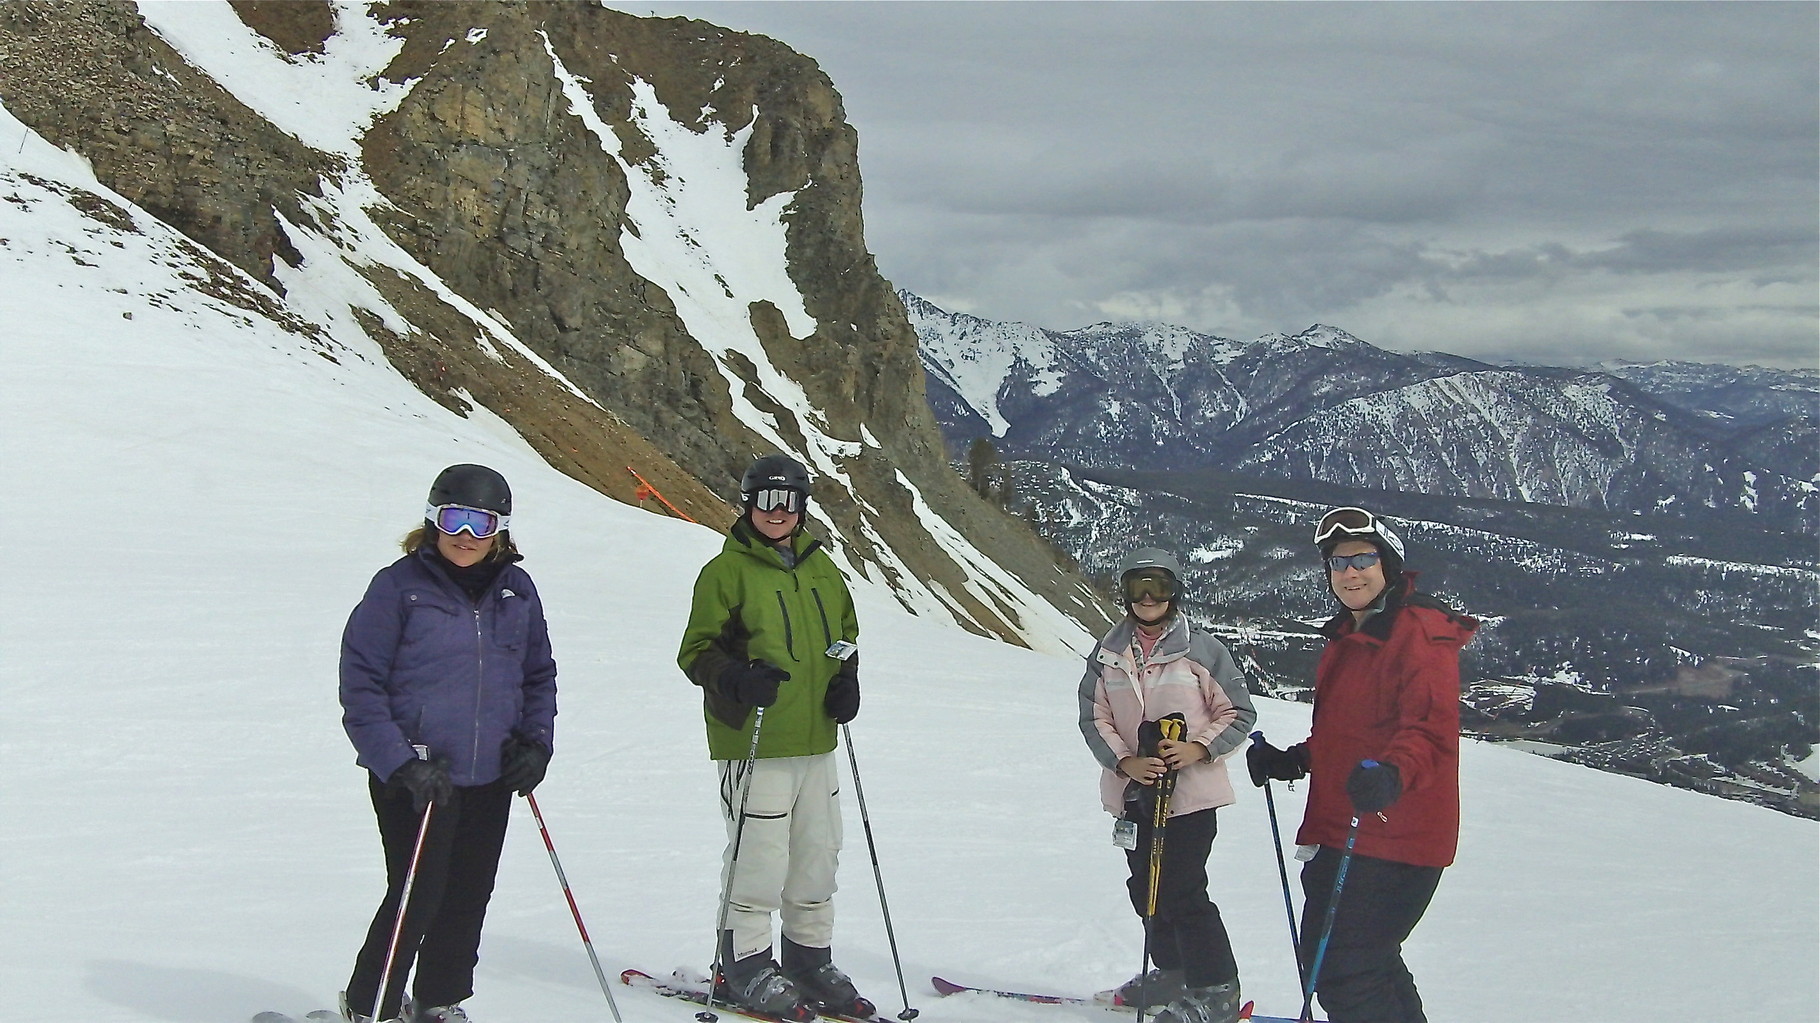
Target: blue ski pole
{"points": [[1333, 905]]}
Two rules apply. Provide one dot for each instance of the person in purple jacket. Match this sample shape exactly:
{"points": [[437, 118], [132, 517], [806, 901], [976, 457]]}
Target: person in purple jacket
{"points": [[448, 692]]}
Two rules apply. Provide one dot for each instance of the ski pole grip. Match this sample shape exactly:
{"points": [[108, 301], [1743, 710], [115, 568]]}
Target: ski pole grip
{"points": [[1257, 736]]}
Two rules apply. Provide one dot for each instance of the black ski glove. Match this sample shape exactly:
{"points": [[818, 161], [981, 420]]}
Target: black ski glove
{"points": [[1266, 761], [842, 701], [1373, 786], [426, 780], [753, 683], [522, 763]]}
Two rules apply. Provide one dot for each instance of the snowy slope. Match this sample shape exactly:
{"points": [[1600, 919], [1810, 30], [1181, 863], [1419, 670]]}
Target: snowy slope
{"points": [[198, 496]]}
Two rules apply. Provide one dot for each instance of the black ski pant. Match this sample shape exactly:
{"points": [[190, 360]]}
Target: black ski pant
{"points": [[1363, 978], [448, 896], [1187, 933]]}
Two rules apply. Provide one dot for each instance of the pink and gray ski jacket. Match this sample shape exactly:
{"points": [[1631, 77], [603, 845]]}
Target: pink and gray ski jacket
{"points": [[1187, 672]]}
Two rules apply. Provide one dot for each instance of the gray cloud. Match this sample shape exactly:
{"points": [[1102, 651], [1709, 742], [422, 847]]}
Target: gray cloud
{"points": [[1523, 181]]}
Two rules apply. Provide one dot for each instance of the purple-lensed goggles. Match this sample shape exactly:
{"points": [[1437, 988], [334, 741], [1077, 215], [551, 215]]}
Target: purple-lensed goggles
{"points": [[778, 499], [454, 518]]}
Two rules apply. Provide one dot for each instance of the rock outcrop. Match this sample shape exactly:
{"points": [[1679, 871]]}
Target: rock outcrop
{"points": [[502, 182]]}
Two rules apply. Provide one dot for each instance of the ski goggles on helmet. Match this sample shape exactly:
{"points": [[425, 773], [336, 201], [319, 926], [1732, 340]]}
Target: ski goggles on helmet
{"points": [[1345, 523], [454, 518], [1148, 584], [1337, 563], [777, 499]]}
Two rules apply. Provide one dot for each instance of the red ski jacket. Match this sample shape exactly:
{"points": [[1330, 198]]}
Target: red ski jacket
{"points": [[1390, 691]]}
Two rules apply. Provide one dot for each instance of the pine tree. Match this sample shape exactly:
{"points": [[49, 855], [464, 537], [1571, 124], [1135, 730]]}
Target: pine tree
{"points": [[982, 459]]}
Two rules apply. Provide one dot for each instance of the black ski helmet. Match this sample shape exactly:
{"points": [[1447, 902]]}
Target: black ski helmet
{"points": [[472, 486], [1151, 558], [773, 472]]}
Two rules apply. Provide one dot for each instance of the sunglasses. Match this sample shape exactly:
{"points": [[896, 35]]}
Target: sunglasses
{"points": [[1345, 522], [1363, 560], [778, 499], [454, 518], [1157, 586]]}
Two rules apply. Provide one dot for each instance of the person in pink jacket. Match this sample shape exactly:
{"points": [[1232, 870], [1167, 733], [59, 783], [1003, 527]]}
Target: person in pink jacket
{"points": [[1154, 664]]}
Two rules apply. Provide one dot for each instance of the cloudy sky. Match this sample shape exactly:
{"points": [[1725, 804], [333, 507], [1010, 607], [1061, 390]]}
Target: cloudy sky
{"points": [[1544, 182]]}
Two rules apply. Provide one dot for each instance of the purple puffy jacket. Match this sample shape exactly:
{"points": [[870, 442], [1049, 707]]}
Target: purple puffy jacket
{"points": [[422, 663]]}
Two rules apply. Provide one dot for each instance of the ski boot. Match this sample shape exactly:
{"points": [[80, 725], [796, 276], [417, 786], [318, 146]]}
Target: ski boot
{"points": [[758, 983], [1158, 987], [1218, 1003], [821, 983], [440, 1014], [347, 1013]]}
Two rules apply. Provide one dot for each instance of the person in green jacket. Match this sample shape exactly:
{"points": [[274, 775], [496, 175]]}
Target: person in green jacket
{"points": [[771, 641]]}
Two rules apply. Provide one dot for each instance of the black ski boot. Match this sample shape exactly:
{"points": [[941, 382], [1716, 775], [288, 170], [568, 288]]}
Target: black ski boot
{"points": [[1158, 987], [348, 1013], [1218, 1003], [758, 983], [821, 983]]}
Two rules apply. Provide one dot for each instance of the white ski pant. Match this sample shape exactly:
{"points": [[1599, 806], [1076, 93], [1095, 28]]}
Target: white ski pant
{"points": [[788, 850]]}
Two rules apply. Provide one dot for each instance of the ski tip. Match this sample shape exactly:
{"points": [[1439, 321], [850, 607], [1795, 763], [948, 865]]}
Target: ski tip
{"points": [[274, 1017], [946, 987], [1245, 1010], [631, 976]]}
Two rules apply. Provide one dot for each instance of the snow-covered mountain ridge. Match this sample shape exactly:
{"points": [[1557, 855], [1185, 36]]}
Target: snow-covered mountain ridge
{"points": [[1325, 405], [1629, 537]]}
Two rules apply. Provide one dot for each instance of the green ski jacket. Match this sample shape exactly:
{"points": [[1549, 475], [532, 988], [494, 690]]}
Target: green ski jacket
{"points": [[749, 605]]}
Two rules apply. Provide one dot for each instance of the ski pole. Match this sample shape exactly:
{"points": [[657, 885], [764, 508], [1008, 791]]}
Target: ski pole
{"points": [[1333, 906], [878, 876], [574, 910], [404, 902], [1276, 840], [1170, 727], [1159, 825], [707, 1014]]}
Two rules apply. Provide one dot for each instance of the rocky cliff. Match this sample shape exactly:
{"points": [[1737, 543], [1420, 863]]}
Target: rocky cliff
{"points": [[638, 241]]}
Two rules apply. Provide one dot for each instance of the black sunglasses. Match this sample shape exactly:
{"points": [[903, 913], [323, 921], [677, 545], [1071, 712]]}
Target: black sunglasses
{"points": [[1363, 560]]}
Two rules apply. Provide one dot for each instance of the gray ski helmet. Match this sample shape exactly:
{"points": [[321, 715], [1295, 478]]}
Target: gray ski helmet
{"points": [[472, 486], [773, 472], [1151, 557]]}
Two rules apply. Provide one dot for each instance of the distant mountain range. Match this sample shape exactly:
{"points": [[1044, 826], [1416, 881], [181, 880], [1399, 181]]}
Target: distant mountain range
{"points": [[1681, 438], [1639, 539]]}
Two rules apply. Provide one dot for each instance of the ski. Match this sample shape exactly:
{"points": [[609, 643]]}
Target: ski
{"points": [[948, 987], [682, 988], [945, 987], [319, 1016]]}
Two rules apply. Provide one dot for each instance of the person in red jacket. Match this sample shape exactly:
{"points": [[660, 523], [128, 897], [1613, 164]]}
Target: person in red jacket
{"points": [[1384, 748]]}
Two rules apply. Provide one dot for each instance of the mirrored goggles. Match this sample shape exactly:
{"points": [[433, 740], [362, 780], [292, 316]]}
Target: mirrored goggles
{"points": [[1363, 560], [1346, 522], [778, 499], [453, 518], [1157, 586]]}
